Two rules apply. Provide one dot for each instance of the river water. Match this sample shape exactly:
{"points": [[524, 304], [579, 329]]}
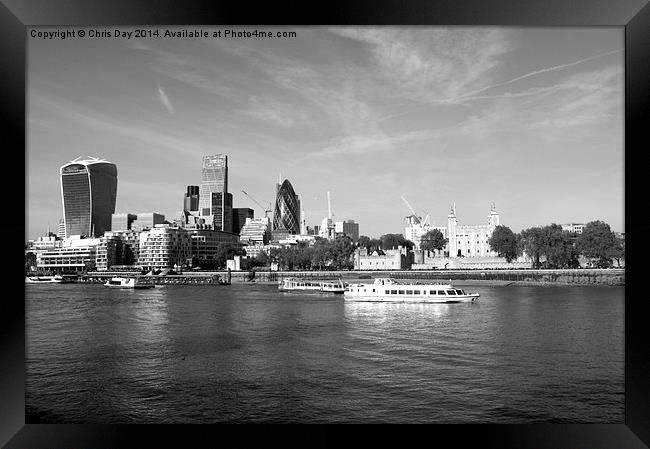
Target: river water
{"points": [[248, 353]]}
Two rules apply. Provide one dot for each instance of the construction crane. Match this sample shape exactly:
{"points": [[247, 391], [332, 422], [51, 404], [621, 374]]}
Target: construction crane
{"points": [[414, 218], [266, 211]]}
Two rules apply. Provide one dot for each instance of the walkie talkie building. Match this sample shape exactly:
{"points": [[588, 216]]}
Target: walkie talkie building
{"points": [[88, 192]]}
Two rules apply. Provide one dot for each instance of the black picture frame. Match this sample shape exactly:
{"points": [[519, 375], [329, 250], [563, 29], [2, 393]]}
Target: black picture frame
{"points": [[634, 15]]}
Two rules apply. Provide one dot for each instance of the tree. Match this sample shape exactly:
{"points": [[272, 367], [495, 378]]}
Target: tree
{"points": [[530, 242], [226, 251], [558, 247], [433, 240], [342, 248], [619, 253], [504, 242], [30, 260], [391, 241], [261, 260], [364, 242], [597, 241]]}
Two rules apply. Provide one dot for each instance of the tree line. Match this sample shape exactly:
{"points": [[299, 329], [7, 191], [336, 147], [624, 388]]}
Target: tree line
{"points": [[553, 247]]}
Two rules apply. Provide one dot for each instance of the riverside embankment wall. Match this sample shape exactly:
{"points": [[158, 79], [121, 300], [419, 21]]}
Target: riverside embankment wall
{"points": [[495, 277], [581, 276]]}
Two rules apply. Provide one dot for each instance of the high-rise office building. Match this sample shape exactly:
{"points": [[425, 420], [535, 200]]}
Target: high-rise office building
{"points": [[286, 215], [191, 199], [122, 222], [221, 207], [239, 216], [88, 193], [349, 228], [147, 220], [214, 178]]}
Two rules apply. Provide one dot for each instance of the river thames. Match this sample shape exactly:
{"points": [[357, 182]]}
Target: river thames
{"points": [[248, 353]]}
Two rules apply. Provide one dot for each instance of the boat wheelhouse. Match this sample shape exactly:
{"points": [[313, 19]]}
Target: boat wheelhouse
{"points": [[390, 290]]}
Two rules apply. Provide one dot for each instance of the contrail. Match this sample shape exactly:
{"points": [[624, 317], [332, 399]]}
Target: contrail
{"points": [[165, 100], [537, 72]]}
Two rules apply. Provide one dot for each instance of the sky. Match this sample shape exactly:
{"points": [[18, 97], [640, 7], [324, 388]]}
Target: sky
{"points": [[530, 118]]}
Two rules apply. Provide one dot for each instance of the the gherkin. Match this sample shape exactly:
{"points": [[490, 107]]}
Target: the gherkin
{"points": [[286, 214]]}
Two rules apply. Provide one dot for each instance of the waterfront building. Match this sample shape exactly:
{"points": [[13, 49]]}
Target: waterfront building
{"points": [[164, 246], [75, 254], [415, 231], [106, 252], [573, 227], [122, 222], [191, 199], [256, 249], [61, 229], [204, 244], [294, 239], [43, 243], [348, 228], [471, 240], [286, 215], [391, 259], [147, 220], [239, 217], [118, 248], [88, 193], [256, 231]]}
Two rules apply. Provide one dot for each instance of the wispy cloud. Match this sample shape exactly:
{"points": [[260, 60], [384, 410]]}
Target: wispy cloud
{"points": [[537, 72], [164, 99]]}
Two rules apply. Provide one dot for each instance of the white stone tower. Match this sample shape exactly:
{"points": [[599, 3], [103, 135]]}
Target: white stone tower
{"points": [[451, 232], [493, 218]]}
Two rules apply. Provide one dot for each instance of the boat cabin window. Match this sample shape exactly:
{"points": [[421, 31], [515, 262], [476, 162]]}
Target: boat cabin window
{"points": [[416, 292], [441, 292], [460, 292], [401, 292], [409, 292], [393, 292], [387, 292], [451, 292]]}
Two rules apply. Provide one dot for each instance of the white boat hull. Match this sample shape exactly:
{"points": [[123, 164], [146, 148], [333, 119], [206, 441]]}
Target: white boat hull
{"points": [[389, 290], [129, 283], [433, 300]]}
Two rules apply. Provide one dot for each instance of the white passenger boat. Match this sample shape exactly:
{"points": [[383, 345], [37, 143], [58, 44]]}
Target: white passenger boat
{"points": [[55, 279], [390, 290], [294, 284], [127, 282]]}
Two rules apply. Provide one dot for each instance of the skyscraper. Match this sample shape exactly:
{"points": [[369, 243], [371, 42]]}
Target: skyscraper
{"points": [[88, 193], [191, 199], [214, 178], [286, 215], [215, 203], [221, 207], [239, 216]]}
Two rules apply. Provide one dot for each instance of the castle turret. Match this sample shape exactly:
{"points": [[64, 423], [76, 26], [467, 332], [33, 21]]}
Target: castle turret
{"points": [[451, 232], [493, 218]]}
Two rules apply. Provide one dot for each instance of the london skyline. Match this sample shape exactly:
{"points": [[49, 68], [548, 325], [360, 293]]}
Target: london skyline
{"points": [[531, 118]]}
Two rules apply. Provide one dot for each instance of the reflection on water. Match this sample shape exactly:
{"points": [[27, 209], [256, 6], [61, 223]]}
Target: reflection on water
{"points": [[247, 353]]}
